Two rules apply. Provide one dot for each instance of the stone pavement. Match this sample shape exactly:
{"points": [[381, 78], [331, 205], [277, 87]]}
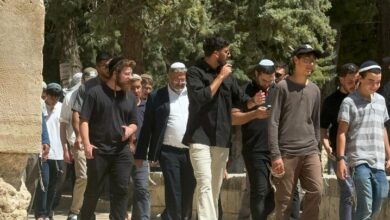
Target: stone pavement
{"points": [[62, 215]]}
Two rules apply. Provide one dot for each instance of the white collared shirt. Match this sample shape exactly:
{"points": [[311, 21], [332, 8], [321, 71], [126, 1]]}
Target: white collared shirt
{"points": [[66, 115], [177, 119], [53, 128]]}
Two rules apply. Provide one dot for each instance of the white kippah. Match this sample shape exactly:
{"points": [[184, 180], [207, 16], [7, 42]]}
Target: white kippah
{"points": [[266, 62], [178, 65], [369, 68]]}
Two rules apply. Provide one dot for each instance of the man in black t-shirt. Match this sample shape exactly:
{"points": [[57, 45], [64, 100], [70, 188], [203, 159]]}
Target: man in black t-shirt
{"points": [[348, 77], [255, 139], [107, 120]]}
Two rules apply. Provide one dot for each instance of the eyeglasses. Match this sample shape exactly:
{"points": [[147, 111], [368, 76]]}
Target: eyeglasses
{"points": [[307, 60], [179, 80], [277, 74]]}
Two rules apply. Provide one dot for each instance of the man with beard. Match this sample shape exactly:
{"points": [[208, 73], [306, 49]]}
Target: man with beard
{"points": [[348, 77], [294, 137], [255, 139], [102, 60], [164, 125], [211, 91], [108, 119]]}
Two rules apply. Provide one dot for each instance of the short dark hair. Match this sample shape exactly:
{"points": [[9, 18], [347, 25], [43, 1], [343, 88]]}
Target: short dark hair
{"points": [[102, 56], [375, 71], [214, 43], [348, 68], [281, 64]]}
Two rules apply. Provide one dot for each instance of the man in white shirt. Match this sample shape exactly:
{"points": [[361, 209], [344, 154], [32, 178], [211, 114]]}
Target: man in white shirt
{"points": [[72, 154], [163, 129], [53, 167]]}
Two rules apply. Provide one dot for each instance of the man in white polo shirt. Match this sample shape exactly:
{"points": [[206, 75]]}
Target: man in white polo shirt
{"points": [[165, 122], [52, 168]]}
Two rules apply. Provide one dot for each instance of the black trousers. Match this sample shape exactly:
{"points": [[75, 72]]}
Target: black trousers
{"points": [[261, 194], [179, 183], [262, 201], [118, 168]]}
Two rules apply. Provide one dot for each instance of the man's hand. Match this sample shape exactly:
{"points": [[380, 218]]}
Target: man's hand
{"points": [[78, 143], [278, 166], [225, 71], [329, 152], [387, 166], [88, 150], [154, 163], [259, 98], [68, 157], [132, 148], [225, 174], [342, 171], [45, 151], [262, 112], [127, 132]]}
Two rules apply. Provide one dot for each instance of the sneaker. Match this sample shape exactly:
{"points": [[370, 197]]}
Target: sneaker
{"points": [[72, 216]]}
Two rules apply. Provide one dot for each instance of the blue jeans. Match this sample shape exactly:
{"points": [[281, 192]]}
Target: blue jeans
{"points": [[346, 198], [141, 197], [372, 188], [51, 172]]}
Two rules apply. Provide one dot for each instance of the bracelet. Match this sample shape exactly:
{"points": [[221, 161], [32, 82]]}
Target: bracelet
{"points": [[339, 158]]}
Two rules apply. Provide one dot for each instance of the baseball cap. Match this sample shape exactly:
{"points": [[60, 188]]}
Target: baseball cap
{"points": [[305, 49]]}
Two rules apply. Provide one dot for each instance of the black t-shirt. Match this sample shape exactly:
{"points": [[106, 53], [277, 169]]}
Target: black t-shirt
{"points": [[329, 113], [82, 92], [255, 132], [106, 111], [209, 117]]}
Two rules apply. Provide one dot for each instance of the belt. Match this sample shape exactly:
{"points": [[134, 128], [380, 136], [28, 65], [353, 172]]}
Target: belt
{"points": [[175, 149]]}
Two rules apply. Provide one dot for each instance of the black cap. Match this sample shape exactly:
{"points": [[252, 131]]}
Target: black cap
{"points": [[305, 49], [113, 62], [102, 56]]}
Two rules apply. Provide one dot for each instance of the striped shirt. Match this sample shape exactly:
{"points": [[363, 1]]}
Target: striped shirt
{"points": [[365, 136]]}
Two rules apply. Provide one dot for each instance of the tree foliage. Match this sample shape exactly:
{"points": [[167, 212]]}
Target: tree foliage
{"points": [[160, 32]]}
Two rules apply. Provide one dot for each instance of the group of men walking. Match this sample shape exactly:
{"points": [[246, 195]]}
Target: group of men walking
{"points": [[186, 127]]}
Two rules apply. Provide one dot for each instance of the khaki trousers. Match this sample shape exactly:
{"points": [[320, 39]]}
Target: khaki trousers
{"points": [[80, 166], [209, 164]]}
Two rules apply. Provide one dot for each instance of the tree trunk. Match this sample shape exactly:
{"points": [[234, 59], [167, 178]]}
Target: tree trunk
{"points": [[384, 30], [133, 46], [69, 53]]}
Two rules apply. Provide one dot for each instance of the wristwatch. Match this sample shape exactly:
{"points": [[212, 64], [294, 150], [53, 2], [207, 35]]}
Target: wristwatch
{"points": [[338, 158]]}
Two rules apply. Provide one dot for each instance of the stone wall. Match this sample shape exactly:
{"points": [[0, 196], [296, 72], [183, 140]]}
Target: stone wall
{"points": [[234, 187], [21, 43]]}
